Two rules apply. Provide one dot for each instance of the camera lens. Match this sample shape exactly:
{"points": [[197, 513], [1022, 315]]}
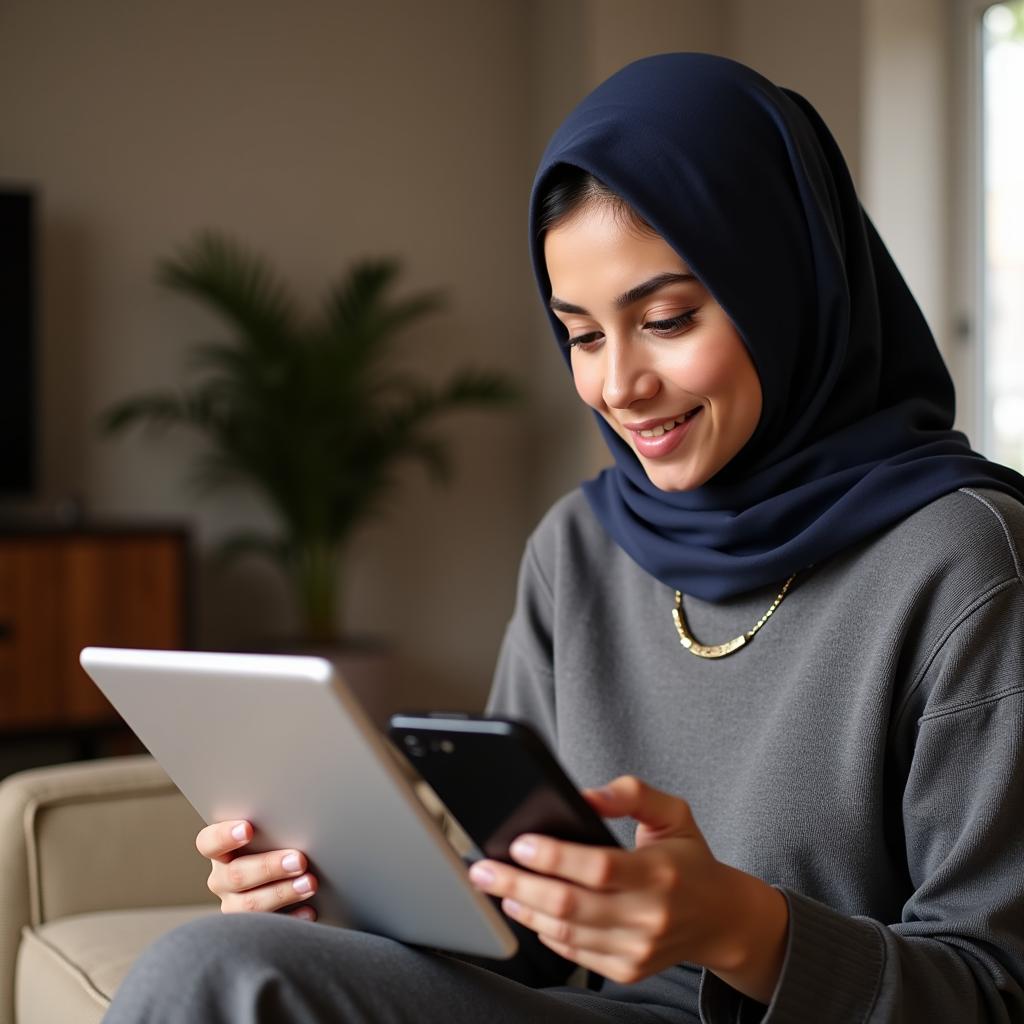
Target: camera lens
{"points": [[413, 746]]}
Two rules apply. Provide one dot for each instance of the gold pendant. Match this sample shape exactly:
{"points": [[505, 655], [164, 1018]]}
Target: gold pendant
{"points": [[721, 650], [705, 650]]}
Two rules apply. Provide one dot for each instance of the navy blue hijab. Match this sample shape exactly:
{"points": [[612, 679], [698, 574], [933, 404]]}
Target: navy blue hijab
{"points": [[746, 183]]}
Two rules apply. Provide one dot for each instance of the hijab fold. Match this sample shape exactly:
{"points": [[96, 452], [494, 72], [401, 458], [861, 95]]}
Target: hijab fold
{"points": [[746, 183]]}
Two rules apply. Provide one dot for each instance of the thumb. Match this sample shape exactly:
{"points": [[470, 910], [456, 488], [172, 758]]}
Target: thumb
{"points": [[661, 815]]}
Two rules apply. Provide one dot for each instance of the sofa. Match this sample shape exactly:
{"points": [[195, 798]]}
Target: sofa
{"points": [[97, 859]]}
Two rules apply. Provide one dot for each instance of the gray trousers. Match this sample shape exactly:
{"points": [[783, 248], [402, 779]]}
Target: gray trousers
{"points": [[273, 969]]}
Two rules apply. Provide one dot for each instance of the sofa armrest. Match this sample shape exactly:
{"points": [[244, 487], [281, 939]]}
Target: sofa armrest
{"points": [[99, 835]]}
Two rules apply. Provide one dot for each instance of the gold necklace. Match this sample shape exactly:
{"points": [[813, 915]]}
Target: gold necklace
{"points": [[721, 650]]}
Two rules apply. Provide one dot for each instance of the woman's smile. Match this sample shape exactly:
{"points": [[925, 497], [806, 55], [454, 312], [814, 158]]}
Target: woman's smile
{"points": [[655, 439]]}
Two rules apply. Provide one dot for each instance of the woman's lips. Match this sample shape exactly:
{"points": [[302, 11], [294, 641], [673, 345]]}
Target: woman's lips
{"points": [[658, 447]]}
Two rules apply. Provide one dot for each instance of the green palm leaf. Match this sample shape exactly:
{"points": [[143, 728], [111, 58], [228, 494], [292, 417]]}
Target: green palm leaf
{"points": [[237, 284], [158, 410], [310, 415]]}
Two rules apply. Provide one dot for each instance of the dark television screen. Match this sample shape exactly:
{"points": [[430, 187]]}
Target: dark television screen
{"points": [[17, 343]]}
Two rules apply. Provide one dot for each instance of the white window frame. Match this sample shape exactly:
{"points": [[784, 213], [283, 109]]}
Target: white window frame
{"points": [[967, 250]]}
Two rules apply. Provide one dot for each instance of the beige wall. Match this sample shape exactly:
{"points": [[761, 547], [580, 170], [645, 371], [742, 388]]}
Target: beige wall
{"points": [[320, 131], [908, 149], [814, 47]]}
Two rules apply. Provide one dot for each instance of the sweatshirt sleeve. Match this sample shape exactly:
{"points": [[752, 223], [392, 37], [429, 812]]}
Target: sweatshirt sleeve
{"points": [[523, 684], [957, 954]]}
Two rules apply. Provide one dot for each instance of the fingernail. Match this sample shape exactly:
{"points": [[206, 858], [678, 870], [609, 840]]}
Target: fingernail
{"points": [[302, 884], [239, 831], [291, 862], [481, 874], [511, 907], [523, 849], [305, 913]]}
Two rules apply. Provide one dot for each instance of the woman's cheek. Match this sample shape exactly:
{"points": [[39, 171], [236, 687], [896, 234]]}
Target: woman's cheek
{"points": [[702, 370]]}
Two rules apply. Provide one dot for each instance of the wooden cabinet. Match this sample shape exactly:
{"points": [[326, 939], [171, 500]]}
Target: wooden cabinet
{"points": [[62, 591]]}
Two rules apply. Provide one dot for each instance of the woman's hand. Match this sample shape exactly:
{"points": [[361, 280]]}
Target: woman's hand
{"points": [[255, 881], [627, 914]]}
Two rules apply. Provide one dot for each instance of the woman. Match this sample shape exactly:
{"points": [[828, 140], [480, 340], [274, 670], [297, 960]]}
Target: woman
{"points": [[780, 638]]}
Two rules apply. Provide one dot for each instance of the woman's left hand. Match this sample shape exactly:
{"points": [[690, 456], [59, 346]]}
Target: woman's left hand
{"points": [[627, 914]]}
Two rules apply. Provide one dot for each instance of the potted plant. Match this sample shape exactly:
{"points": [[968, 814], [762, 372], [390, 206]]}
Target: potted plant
{"points": [[307, 412]]}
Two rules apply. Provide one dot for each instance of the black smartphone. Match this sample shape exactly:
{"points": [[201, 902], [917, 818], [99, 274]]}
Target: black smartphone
{"points": [[498, 778]]}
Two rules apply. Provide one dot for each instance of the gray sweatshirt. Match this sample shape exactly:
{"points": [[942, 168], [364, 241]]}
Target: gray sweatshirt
{"points": [[864, 753]]}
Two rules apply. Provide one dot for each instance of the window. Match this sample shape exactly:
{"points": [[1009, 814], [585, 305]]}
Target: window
{"points": [[1002, 232]]}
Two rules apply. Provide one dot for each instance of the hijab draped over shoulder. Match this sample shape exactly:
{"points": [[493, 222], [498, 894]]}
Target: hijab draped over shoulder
{"points": [[745, 182]]}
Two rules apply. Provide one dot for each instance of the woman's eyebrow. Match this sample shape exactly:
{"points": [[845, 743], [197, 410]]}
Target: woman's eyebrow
{"points": [[635, 294]]}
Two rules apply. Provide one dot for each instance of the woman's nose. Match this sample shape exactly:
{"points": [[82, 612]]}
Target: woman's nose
{"points": [[627, 377]]}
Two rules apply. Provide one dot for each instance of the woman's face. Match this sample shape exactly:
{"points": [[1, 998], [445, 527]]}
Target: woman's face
{"points": [[650, 348]]}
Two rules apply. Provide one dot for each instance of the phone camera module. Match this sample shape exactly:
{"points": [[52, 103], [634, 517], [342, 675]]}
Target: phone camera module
{"points": [[413, 746]]}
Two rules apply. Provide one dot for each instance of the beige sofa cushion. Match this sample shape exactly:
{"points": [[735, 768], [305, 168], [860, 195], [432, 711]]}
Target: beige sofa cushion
{"points": [[156, 828], [88, 838], [69, 969]]}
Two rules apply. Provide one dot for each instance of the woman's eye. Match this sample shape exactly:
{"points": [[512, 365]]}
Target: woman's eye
{"points": [[582, 340], [673, 324]]}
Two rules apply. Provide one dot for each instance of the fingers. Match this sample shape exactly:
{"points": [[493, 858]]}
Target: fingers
{"points": [[262, 882], [572, 934], [256, 881], [625, 914], [661, 814], [550, 896], [615, 933], [218, 841], [254, 869], [604, 868], [275, 896], [260, 870]]}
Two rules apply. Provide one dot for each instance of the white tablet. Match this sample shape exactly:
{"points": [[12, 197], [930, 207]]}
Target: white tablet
{"points": [[280, 741]]}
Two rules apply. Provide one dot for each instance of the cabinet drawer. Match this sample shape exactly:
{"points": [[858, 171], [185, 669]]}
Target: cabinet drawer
{"points": [[60, 593], [30, 587]]}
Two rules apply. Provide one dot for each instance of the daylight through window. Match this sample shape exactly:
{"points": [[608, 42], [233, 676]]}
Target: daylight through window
{"points": [[1003, 229]]}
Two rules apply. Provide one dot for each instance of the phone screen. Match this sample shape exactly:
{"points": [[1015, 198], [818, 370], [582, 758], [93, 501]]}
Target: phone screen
{"points": [[499, 780]]}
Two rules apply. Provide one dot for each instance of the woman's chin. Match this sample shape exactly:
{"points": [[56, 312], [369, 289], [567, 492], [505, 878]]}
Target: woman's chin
{"points": [[665, 479]]}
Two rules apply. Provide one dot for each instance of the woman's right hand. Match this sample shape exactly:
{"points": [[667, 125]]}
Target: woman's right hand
{"points": [[254, 881]]}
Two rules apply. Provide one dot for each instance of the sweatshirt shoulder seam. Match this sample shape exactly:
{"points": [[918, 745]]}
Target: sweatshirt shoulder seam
{"points": [[1001, 519], [969, 705], [976, 605]]}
